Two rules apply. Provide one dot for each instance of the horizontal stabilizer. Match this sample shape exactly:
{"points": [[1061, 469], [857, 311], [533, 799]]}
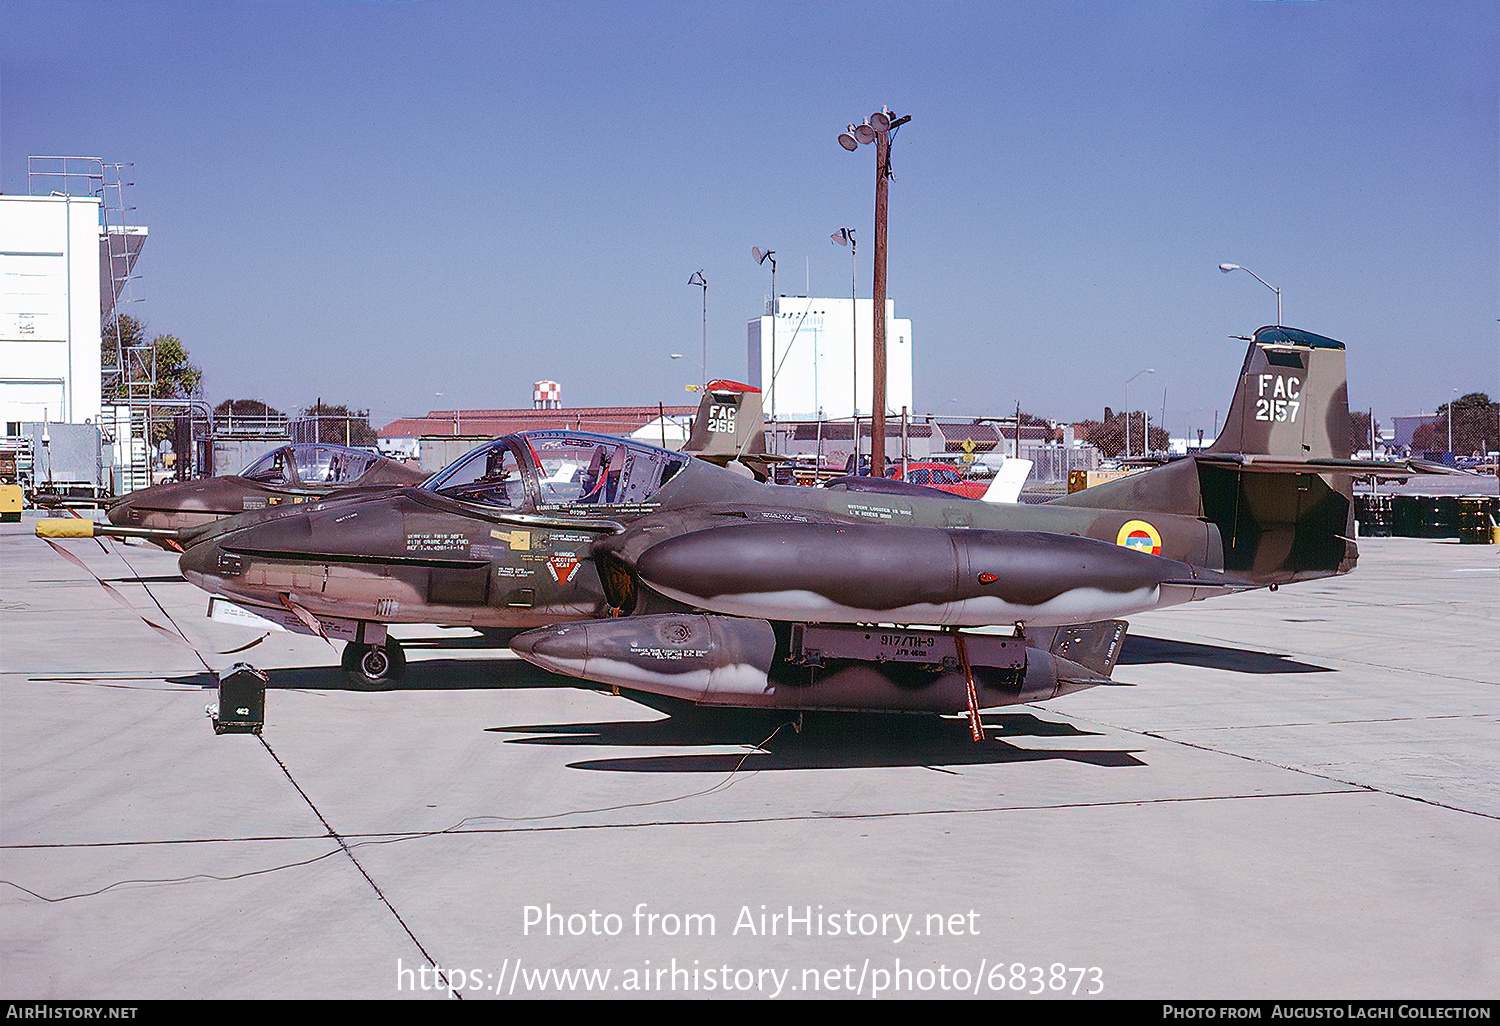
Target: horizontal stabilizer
{"points": [[1326, 465]]}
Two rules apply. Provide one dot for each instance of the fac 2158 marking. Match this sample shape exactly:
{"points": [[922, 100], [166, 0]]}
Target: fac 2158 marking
{"points": [[721, 420], [1280, 398]]}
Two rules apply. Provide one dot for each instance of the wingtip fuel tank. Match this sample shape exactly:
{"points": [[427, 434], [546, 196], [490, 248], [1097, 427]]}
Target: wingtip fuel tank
{"points": [[752, 663], [859, 573]]}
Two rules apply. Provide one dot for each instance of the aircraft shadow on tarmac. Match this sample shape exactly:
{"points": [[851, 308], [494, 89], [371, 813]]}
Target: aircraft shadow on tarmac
{"points": [[467, 674], [1139, 649], [421, 675], [156, 579], [827, 740]]}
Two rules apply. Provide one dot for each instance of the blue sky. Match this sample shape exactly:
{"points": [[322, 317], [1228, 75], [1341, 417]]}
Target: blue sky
{"points": [[377, 202]]}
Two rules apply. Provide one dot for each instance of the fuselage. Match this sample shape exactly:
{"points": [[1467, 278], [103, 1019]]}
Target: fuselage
{"points": [[290, 475], [546, 527]]}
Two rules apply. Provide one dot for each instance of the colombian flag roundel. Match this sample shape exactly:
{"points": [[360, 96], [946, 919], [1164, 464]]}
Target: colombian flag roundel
{"points": [[1141, 536]]}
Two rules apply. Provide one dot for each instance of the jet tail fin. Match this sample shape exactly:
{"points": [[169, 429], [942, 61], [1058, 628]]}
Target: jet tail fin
{"points": [[1277, 484], [729, 426], [1292, 401]]}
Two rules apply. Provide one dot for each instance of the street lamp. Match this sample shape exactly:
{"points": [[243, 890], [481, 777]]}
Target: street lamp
{"points": [[1148, 370], [845, 237], [702, 282], [679, 356], [761, 256], [1226, 268], [877, 129]]}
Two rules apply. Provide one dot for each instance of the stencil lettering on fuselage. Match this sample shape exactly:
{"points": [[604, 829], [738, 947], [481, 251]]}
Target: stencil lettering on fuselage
{"points": [[517, 540], [870, 511], [436, 541]]}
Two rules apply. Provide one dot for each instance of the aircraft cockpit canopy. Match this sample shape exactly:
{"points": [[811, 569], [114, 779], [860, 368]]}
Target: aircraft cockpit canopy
{"points": [[564, 468], [310, 465], [490, 475]]}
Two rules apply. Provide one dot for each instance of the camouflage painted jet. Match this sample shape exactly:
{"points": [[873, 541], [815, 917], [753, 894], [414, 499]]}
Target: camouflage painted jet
{"points": [[291, 474], [647, 570]]}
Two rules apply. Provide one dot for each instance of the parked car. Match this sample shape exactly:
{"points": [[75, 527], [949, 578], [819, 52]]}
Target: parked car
{"points": [[937, 475]]}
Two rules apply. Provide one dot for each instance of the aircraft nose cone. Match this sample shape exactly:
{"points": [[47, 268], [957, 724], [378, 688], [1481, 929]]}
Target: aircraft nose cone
{"points": [[124, 513], [199, 562], [553, 648]]}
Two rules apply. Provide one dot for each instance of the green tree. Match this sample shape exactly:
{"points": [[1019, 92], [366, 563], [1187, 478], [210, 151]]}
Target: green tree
{"points": [[1108, 435], [177, 377], [119, 333], [326, 422], [1476, 427], [246, 408]]}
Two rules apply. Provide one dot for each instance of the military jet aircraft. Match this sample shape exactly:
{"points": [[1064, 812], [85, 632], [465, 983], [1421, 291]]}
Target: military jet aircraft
{"points": [[647, 570], [291, 474]]}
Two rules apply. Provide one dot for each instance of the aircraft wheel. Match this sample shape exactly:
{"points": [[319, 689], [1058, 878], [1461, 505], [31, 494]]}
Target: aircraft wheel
{"points": [[374, 667]]}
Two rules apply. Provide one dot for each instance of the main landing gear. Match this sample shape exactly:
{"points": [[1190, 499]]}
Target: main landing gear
{"points": [[374, 667]]}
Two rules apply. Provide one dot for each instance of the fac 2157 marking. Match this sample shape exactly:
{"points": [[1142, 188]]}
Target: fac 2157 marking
{"points": [[1280, 398]]}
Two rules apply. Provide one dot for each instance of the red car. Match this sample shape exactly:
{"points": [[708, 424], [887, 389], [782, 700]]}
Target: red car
{"points": [[938, 475]]}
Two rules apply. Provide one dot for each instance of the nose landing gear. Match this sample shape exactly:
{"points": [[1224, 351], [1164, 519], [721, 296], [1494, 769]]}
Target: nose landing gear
{"points": [[374, 667]]}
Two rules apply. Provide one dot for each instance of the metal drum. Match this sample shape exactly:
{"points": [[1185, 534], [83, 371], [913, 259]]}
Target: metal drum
{"points": [[1477, 514], [1374, 515]]}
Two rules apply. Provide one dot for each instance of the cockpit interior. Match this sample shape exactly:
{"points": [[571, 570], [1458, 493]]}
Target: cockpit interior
{"points": [[308, 465], [558, 468]]}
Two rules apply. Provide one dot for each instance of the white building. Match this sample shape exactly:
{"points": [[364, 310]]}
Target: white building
{"points": [[818, 369], [55, 287], [49, 309]]}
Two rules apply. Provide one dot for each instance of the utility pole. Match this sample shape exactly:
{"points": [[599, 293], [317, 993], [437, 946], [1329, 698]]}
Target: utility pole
{"points": [[877, 128]]}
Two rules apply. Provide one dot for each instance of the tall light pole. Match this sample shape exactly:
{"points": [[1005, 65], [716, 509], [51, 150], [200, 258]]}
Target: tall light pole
{"points": [[702, 282], [1226, 268], [1148, 370], [845, 237], [761, 256], [1450, 421], [877, 129], [435, 395]]}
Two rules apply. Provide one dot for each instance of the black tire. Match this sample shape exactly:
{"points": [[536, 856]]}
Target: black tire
{"points": [[374, 667]]}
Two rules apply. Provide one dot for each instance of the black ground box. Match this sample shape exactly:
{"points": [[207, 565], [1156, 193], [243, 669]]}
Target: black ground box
{"points": [[242, 700]]}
